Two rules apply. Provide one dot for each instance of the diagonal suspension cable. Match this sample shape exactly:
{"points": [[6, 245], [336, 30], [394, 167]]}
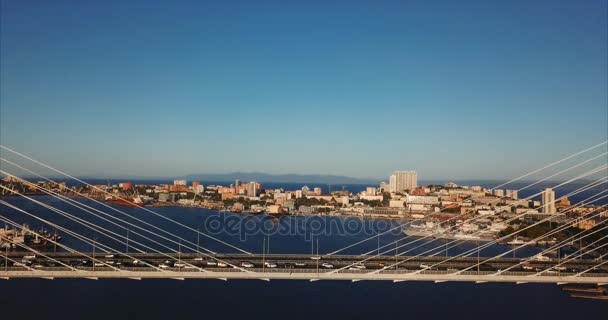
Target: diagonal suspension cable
{"points": [[414, 241], [69, 249], [143, 208], [525, 244], [576, 254], [474, 196], [474, 218], [577, 236], [93, 242], [84, 207], [88, 224], [453, 241], [467, 253], [103, 204], [94, 226]]}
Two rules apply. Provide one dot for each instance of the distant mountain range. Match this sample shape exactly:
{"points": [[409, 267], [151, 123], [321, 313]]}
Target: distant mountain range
{"points": [[277, 178]]}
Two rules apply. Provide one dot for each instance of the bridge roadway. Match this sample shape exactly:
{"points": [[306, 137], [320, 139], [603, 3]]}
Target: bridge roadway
{"points": [[294, 266]]}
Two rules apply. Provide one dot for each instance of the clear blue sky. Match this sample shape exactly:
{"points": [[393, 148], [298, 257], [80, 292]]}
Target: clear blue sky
{"points": [[452, 89]]}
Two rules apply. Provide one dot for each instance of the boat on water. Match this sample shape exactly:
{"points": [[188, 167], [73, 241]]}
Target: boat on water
{"points": [[431, 229], [427, 229], [516, 242], [595, 292], [135, 202]]}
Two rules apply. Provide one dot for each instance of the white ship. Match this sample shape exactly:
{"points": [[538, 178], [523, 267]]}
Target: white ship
{"points": [[516, 242], [430, 229]]}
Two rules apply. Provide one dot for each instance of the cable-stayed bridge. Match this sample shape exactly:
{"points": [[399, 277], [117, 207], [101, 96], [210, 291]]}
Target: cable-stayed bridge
{"points": [[156, 252], [300, 267]]}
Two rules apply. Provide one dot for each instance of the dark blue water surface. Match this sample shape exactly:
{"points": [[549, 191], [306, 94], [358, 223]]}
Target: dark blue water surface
{"points": [[216, 299]]}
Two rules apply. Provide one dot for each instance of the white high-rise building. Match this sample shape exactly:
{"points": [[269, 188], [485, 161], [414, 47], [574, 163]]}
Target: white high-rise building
{"points": [[403, 180], [392, 183], [251, 189], [548, 201]]}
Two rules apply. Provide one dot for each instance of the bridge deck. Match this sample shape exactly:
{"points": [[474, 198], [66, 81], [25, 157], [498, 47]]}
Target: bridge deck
{"points": [[515, 277], [297, 267]]}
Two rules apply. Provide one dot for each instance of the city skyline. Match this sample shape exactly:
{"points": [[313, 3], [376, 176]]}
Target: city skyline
{"points": [[357, 90]]}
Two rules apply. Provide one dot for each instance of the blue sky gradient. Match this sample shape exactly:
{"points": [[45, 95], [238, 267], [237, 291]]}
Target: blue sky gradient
{"points": [[451, 89]]}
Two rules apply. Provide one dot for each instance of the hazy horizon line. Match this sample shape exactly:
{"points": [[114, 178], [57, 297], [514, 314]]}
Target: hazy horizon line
{"points": [[421, 182]]}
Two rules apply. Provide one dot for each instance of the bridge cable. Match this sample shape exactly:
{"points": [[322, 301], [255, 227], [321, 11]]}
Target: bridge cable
{"points": [[474, 196], [143, 208]]}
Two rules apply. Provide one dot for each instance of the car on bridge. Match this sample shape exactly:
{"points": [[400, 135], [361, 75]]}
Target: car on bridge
{"points": [[327, 265], [246, 264]]}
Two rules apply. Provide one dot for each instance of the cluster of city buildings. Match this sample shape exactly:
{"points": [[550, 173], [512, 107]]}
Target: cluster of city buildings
{"points": [[401, 197]]}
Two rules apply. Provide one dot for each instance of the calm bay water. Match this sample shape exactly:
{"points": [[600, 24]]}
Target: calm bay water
{"points": [[215, 299]]}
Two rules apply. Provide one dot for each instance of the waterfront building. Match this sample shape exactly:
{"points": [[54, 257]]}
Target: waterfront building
{"points": [[274, 209], [371, 198], [427, 200], [345, 200], [195, 184], [485, 200], [499, 193], [306, 209], [223, 190], [384, 186], [179, 182], [396, 203], [548, 201], [126, 186], [327, 198], [512, 194], [384, 211], [518, 203], [370, 191], [403, 180], [167, 197], [227, 196], [318, 191], [252, 189], [178, 188], [392, 183], [564, 202]]}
